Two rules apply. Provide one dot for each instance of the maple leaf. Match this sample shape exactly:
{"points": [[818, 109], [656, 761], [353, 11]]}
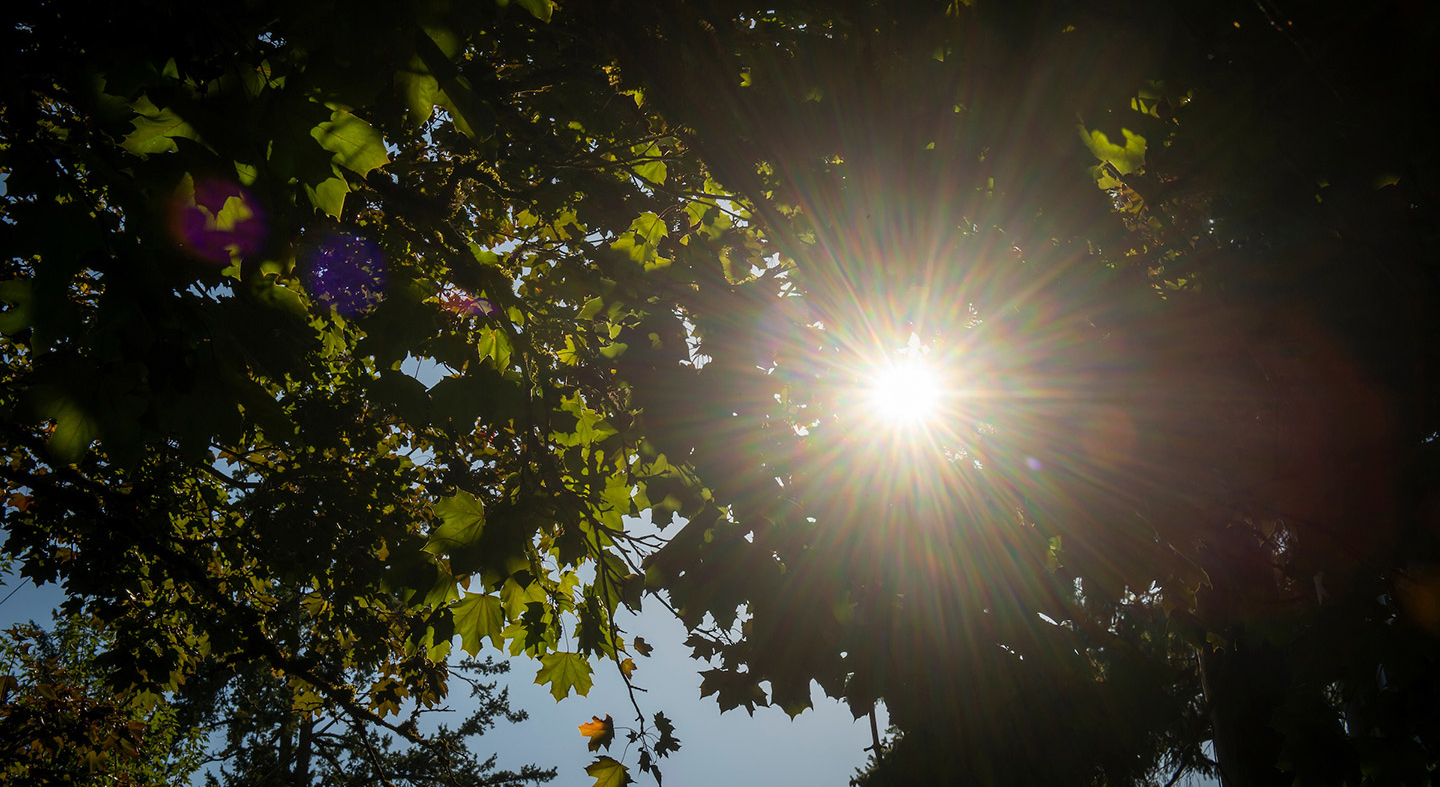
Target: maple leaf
{"points": [[476, 617], [627, 668], [462, 521], [564, 671], [642, 647], [668, 743], [608, 772], [600, 731], [735, 689]]}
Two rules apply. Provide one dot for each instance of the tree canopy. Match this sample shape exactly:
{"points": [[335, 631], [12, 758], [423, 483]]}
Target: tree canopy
{"points": [[337, 334]]}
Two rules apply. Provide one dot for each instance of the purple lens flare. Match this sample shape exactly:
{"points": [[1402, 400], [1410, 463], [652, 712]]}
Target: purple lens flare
{"points": [[347, 272], [217, 221], [466, 305]]}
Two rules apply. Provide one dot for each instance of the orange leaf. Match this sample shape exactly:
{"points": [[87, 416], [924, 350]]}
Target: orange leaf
{"points": [[600, 732]]}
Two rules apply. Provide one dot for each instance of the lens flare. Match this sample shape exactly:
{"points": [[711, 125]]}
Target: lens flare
{"points": [[216, 221], [347, 272], [466, 305]]}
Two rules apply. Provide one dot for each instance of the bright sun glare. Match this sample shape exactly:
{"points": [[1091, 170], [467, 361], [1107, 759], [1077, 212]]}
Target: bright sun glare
{"points": [[905, 392]]}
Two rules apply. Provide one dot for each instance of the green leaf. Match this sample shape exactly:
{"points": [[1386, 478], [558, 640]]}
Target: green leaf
{"points": [[306, 701], [495, 345], [463, 519], [697, 209], [477, 617], [653, 171], [1127, 158], [247, 173], [514, 597], [649, 227], [420, 91], [541, 9], [471, 115], [608, 772], [593, 635], [329, 195], [563, 672], [155, 129], [569, 355], [18, 317], [356, 144], [591, 308], [74, 429], [484, 256]]}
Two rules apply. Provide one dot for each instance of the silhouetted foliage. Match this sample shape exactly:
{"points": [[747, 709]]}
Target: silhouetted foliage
{"points": [[1175, 260]]}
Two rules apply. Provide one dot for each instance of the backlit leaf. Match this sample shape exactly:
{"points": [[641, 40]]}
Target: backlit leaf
{"points": [[542, 9], [651, 169], [356, 144], [495, 345], [600, 731], [329, 195], [1128, 158], [478, 616], [592, 307], [156, 129], [75, 429], [462, 520], [420, 91], [608, 772], [563, 672]]}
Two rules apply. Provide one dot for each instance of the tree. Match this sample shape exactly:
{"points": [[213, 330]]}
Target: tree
{"points": [[60, 724], [268, 740], [212, 436], [650, 250]]}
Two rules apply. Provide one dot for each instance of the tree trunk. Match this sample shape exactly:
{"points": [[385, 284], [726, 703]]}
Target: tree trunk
{"points": [[1245, 679], [302, 754]]}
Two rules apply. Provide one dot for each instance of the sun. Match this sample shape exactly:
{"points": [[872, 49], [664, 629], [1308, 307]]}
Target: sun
{"points": [[906, 392]]}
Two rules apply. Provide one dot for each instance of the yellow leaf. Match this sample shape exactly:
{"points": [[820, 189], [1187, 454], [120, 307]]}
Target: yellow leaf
{"points": [[600, 731]]}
